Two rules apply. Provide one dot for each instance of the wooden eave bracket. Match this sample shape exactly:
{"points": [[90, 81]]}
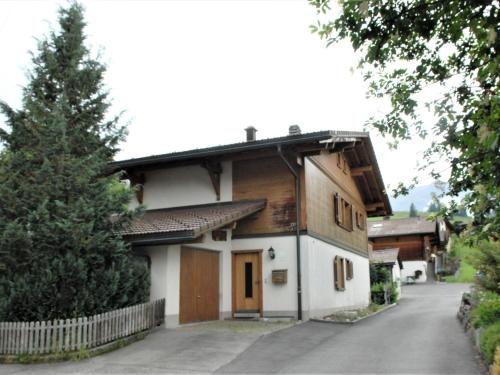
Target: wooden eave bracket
{"points": [[374, 206], [137, 181], [214, 170], [358, 171]]}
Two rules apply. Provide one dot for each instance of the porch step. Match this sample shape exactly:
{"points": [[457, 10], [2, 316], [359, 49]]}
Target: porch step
{"points": [[246, 315]]}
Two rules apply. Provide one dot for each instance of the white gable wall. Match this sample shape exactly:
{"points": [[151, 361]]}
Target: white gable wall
{"points": [[323, 297], [184, 186]]}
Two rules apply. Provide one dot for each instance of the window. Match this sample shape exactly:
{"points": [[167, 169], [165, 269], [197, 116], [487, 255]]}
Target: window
{"points": [[360, 220], [248, 280], [339, 160], [344, 169], [349, 269], [343, 212], [339, 273]]}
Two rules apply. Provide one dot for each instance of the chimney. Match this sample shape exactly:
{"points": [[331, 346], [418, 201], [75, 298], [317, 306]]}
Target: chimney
{"points": [[294, 130], [251, 134]]}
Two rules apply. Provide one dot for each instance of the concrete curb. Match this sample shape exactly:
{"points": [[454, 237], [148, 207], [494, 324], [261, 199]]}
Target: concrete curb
{"points": [[357, 320]]}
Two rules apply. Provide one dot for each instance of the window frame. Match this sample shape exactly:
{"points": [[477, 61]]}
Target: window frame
{"points": [[349, 274], [360, 220], [343, 208], [339, 273]]}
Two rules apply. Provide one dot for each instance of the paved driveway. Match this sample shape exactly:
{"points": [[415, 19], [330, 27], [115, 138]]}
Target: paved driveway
{"points": [[420, 336]]}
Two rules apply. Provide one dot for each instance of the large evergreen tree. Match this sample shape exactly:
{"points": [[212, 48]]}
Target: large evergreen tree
{"points": [[59, 212]]}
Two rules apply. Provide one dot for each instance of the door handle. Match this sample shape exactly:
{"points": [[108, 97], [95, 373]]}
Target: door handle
{"points": [[198, 296]]}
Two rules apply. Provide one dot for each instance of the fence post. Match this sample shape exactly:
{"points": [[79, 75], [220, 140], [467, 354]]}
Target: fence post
{"points": [[41, 348]]}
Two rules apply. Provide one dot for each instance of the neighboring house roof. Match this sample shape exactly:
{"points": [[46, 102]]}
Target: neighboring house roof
{"points": [[187, 223], [357, 148], [385, 256], [411, 225]]}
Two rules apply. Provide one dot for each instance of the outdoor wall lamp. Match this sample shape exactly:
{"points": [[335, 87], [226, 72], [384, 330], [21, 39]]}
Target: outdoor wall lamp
{"points": [[271, 252]]}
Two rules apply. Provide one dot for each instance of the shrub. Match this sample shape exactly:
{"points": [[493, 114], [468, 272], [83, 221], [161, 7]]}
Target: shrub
{"points": [[379, 274], [490, 340], [378, 293], [488, 310], [487, 262]]}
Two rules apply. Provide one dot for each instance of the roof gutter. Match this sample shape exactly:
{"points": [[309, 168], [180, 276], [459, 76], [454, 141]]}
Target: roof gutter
{"points": [[297, 235]]}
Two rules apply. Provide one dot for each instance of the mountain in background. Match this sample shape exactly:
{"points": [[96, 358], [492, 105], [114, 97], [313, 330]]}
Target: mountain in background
{"points": [[420, 196]]}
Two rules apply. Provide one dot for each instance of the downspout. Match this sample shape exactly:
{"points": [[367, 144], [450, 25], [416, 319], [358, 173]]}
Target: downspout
{"points": [[297, 210]]}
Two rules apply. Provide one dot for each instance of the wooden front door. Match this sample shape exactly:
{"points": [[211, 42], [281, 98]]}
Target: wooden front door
{"points": [[199, 285], [247, 282]]}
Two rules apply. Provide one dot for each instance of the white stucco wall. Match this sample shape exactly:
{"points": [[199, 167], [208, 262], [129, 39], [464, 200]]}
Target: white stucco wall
{"points": [[409, 268], [396, 277], [278, 300], [184, 186], [321, 294], [165, 277]]}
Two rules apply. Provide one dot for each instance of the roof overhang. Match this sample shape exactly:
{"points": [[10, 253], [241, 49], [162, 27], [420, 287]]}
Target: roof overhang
{"points": [[187, 224], [356, 146]]}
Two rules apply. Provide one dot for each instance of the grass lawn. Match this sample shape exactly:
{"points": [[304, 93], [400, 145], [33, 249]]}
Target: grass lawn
{"points": [[466, 273]]}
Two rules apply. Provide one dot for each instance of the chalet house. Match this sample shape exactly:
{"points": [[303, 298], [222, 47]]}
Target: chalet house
{"points": [[421, 244], [262, 228]]}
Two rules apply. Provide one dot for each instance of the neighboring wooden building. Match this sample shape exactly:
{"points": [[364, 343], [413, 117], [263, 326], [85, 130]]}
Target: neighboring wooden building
{"points": [[273, 227], [421, 243]]}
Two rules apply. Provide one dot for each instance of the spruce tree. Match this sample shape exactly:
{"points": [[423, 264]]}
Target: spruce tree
{"points": [[60, 213], [413, 211]]}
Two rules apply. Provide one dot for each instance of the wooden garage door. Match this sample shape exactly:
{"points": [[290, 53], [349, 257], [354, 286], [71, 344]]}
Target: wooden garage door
{"points": [[199, 289]]}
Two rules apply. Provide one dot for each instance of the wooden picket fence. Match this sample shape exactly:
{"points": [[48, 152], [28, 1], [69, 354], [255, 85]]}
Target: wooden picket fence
{"points": [[83, 333]]}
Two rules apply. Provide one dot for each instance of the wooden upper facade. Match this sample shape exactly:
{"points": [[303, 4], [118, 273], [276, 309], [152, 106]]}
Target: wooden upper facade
{"points": [[340, 183], [416, 238]]}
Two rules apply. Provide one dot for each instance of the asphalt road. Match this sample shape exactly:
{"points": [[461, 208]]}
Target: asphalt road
{"points": [[419, 336]]}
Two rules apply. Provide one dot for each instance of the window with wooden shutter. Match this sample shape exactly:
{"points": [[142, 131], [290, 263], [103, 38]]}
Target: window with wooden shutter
{"points": [[360, 220], [343, 212], [339, 273], [349, 269]]}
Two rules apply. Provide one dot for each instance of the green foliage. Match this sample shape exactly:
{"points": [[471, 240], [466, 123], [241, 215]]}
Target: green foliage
{"points": [[378, 292], [439, 56], [379, 274], [413, 211], [61, 213], [464, 254], [490, 341], [487, 262], [488, 310], [435, 205]]}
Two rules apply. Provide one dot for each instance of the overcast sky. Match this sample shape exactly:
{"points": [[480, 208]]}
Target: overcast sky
{"points": [[192, 74]]}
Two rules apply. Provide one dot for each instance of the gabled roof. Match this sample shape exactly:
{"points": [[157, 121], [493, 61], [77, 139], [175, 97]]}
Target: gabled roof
{"points": [[399, 227], [385, 256], [174, 225], [356, 146]]}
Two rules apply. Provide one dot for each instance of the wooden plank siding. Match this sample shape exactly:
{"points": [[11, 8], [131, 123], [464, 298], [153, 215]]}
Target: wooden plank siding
{"points": [[410, 247], [323, 179], [267, 178]]}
